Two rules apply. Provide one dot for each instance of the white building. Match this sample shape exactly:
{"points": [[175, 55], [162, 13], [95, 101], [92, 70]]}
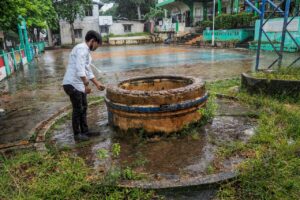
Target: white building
{"points": [[81, 26], [183, 15], [119, 27]]}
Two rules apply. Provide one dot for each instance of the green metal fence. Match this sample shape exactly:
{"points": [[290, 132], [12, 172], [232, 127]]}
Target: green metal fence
{"points": [[11, 61], [273, 29]]}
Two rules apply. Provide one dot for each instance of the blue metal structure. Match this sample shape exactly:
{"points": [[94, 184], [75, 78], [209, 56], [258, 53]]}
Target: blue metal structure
{"points": [[285, 14], [162, 108]]}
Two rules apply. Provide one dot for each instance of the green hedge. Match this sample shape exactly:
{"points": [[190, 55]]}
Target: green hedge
{"points": [[228, 21]]}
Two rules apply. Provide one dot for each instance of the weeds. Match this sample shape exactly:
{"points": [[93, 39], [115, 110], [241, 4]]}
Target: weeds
{"points": [[282, 74], [273, 171], [32, 175], [116, 150], [102, 154]]}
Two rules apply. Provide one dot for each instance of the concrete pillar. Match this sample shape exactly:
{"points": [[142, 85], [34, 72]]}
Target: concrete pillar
{"points": [[297, 4], [14, 58], [219, 7], [21, 36], [257, 6], [236, 6], [50, 41]]}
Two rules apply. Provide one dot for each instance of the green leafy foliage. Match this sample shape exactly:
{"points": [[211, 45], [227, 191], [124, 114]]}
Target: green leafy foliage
{"points": [[37, 13], [229, 21], [131, 9], [116, 150], [129, 174], [102, 153], [154, 13]]}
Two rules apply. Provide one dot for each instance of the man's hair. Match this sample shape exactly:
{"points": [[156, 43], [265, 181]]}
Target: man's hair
{"points": [[93, 35]]}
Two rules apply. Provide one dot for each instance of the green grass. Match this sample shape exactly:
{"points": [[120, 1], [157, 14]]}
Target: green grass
{"points": [[33, 175], [272, 170], [60, 174], [292, 73]]}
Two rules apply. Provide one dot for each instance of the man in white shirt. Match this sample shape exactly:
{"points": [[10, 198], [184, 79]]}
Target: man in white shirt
{"points": [[76, 82]]}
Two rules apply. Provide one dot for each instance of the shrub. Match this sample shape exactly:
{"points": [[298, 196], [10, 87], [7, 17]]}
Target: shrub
{"points": [[228, 21]]}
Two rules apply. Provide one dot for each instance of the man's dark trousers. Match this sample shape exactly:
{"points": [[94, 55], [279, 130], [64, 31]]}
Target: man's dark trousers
{"points": [[79, 104]]}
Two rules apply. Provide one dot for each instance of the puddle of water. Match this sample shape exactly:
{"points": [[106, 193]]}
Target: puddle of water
{"points": [[31, 95], [161, 158], [109, 60]]}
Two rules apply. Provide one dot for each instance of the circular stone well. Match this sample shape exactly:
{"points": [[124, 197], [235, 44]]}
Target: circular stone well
{"points": [[163, 104]]}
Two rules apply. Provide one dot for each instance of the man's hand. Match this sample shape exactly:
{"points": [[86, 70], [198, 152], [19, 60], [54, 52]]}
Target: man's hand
{"points": [[98, 84], [88, 90], [100, 87]]}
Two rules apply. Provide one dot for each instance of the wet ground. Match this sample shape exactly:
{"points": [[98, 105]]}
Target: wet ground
{"points": [[34, 93], [164, 160]]}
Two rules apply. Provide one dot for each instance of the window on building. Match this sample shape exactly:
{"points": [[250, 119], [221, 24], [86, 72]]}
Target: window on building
{"points": [[104, 29], [78, 33], [127, 28], [89, 11]]}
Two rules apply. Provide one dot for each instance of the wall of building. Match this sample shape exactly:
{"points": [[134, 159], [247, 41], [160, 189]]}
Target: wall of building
{"points": [[118, 27], [86, 24], [198, 12]]}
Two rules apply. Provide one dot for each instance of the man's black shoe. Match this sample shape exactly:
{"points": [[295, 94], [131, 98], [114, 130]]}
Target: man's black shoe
{"points": [[81, 137]]}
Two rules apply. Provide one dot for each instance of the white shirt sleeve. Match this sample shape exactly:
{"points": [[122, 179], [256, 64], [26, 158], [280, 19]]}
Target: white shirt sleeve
{"points": [[89, 73], [80, 63]]}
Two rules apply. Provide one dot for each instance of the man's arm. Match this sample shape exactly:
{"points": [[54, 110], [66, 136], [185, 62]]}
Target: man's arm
{"points": [[85, 80], [86, 85], [91, 76], [99, 85]]}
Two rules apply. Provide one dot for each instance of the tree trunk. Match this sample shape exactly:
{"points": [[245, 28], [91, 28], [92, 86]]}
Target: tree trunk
{"points": [[32, 35], [4, 42], [38, 34], [50, 41], [139, 12], [231, 6], [72, 33]]}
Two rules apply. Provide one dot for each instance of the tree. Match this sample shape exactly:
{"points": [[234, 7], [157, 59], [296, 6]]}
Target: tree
{"points": [[155, 13], [132, 9], [138, 4], [70, 10], [39, 14]]}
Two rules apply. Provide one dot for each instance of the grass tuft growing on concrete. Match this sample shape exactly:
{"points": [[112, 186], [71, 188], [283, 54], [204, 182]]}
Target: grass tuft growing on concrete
{"points": [[292, 73], [33, 175], [272, 170]]}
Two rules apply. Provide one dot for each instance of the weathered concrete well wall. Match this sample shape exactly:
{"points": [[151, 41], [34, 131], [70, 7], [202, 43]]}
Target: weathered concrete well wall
{"points": [[156, 104]]}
